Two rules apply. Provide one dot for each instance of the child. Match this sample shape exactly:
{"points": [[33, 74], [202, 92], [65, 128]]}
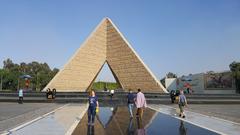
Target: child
{"points": [[182, 102]]}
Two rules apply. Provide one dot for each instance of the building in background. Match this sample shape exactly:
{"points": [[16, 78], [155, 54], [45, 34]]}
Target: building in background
{"points": [[171, 84], [209, 83]]}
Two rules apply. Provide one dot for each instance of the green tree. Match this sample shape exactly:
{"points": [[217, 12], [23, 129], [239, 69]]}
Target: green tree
{"points": [[235, 68], [41, 74], [10, 80], [171, 75], [10, 76], [8, 64], [2, 75], [108, 85]]}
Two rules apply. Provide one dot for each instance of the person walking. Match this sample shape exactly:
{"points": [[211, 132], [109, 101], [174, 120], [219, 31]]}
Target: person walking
{"points": [[20, 96], [93, 106], [182, 102], [140, 102], [130, 99]]}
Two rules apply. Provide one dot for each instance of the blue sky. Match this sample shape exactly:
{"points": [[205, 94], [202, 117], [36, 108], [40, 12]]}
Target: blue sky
{"points": [[187, 36]]}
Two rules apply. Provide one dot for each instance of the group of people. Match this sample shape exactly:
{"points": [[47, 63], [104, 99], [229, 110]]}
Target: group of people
{"points": [[134, 100], [140, 103], [137, 100], [51, 93]]}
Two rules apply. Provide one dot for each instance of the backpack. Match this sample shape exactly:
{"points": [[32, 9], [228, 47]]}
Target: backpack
{"points": [[182, 99]]}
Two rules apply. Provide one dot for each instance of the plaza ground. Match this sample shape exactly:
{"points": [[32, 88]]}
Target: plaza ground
{"points": [[229, 112], [55, 118], [13, 114]]}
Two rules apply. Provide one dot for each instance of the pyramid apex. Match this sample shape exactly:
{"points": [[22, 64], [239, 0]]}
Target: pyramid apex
{"points": [[107, 19]]}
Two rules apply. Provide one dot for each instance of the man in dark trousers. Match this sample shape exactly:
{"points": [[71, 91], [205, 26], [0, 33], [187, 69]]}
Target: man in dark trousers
{"points": [[130, 98]]}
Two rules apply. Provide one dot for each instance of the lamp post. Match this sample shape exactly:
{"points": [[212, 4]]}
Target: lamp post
{"points": [[9, 85], [106, 85], [99, 84], [18, 85], [37, 82], [1, 81]]}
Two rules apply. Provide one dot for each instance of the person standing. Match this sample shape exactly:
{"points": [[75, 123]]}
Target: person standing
{"points": [[140, 103], [111, 93], [20, 96], [130, 99], [93, 106], [188, 90], [182, 102]]}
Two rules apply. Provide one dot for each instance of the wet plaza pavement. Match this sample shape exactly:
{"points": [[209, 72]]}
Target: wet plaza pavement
{"points": [[57, 122], [116, 121], [14, 114]]}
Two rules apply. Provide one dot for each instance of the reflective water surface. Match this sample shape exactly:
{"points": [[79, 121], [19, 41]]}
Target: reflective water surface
{"points": [[115, 120]]}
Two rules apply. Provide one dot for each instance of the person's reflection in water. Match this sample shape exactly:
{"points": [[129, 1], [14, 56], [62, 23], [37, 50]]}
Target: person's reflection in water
{"points": [[140, 129], [182, 129], [130, 127], [90, 130]]}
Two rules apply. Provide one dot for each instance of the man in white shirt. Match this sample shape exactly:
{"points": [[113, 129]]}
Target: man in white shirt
{"points": [[140, 103]]}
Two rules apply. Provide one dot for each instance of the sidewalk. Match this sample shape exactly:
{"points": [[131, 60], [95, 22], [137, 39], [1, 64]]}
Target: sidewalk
{"points": [[214, 124], [14, 114], [58, 122]]}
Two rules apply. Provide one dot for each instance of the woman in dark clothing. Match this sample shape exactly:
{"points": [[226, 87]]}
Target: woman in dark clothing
{"points": [[93, 105]]}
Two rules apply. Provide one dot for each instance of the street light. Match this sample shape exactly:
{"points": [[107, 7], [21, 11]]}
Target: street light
{"points": [[9, 84], [1, 81], [18, 84], [37, 82]]}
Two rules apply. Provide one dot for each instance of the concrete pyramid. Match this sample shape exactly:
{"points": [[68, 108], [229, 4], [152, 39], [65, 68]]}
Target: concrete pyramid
{"points": [[105, 44]]}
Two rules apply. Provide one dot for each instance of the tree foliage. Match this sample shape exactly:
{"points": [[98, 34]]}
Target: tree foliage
{"points": [[235, 68], [171, 75], [103, 85], [41, 74]]}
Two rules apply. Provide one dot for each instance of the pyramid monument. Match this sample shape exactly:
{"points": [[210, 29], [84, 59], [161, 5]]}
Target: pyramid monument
{"points": [[105, 44]]}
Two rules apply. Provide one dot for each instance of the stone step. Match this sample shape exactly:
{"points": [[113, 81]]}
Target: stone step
{"points": [[117, 100], [124, 96], [116, 93]]}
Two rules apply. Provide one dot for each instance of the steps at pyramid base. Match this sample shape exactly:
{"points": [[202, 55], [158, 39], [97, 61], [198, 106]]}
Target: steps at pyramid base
{"points": [[119, 97], [116, 100]]}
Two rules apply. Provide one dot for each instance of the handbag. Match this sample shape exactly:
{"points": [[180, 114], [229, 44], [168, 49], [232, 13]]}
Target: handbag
{"points": [[97, 109]]}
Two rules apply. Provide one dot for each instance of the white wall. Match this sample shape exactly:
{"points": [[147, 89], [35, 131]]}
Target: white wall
{"points": [[171, 84]]}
